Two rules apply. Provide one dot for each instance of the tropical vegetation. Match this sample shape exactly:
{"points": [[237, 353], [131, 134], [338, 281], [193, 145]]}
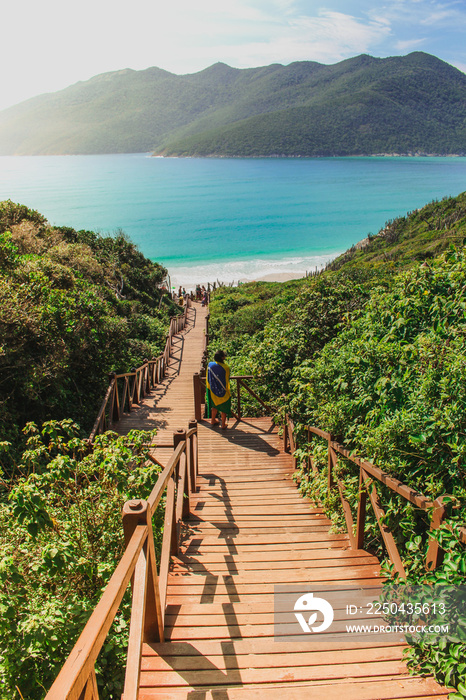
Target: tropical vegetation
{"points": [[74, 307], [373, 350]]}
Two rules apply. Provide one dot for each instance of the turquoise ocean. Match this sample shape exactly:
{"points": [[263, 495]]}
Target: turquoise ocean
{"points": [[230, 219]]}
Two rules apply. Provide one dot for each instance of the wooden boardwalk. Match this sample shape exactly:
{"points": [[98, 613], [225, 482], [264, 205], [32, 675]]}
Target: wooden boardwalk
{"points": [[170, 406], [250, 530]]}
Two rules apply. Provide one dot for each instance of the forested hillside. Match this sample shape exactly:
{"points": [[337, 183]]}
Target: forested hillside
{"points": [[363, 105], [74, 306], [373, 351]]}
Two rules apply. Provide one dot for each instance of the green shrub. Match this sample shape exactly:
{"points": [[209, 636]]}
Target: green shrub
{"points": [[61, 538]]}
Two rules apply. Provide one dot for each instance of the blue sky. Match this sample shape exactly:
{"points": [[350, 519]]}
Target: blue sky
{"points": [[51, 44]]}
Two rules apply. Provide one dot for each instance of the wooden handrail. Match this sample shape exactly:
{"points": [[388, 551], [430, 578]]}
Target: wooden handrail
{"points": [[199, 390], [161, 483], [77, 678], [137, 383], [368, 474], [241, 383], [79, 665]]}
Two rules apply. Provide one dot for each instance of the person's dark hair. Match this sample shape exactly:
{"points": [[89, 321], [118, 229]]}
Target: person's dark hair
{"points": [[219, 356]]}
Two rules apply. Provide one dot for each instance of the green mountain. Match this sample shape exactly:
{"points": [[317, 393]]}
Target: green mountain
{"points": [[364, 105]]}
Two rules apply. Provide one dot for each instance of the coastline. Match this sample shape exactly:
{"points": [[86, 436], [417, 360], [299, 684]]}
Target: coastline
{"points": [[410, 154], [278, 277], [231, 271]]}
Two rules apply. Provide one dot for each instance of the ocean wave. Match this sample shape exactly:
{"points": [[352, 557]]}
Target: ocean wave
{"points": [[232, 272]]}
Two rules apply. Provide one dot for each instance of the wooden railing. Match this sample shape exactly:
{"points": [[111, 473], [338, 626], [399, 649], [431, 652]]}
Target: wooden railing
{"points": [[77, 679], [199, 383], [126, 390], [205, 349], [199, 389], [368, 476]]}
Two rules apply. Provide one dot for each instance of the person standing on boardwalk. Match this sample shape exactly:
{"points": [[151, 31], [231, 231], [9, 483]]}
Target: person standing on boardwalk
{"points": [[218, 395]]}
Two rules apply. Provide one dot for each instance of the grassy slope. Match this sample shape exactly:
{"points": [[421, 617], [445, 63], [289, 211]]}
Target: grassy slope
{"points": [[402, 243], [420, 235], [268, 329]]}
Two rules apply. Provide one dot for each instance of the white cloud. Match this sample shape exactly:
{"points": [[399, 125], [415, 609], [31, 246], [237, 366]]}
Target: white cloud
{"points": [[48, 45], [328, 37], [409, 44], [439, 16]]}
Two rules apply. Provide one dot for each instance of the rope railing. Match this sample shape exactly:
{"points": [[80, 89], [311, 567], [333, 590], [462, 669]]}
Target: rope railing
{"points": [[138, 564], [128, 389], [369, 475]]}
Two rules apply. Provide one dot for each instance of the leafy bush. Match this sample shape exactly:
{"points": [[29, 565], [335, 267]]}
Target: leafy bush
{"points": [[378, 360], [392, 382], [61, 538], [74, 306]]}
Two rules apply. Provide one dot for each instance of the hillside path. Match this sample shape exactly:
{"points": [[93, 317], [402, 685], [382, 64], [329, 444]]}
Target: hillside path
{"points": [[250, 530]]}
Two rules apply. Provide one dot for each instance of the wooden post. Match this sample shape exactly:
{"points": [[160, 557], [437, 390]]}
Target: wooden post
{"points": [[197, 396], [146, 377], [309, 458], [135, 391], [361, 520], [114, 414], [238, 397], [184, 485], [332, 463], [170, 541], [434, 554], [90, 690], [285, 436], [193, 454], [137, 512], [111, 405], [180, 436]]}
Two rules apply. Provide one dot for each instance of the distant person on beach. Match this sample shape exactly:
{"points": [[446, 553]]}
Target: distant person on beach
{"points": [[218, 396]]}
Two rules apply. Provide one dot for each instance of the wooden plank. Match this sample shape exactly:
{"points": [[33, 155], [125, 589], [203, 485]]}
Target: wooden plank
{"points": [[229, 518], [279, 498], [205, 618], [383, 689], [230, 530], [255, 582], [193, 678], [153, 661], [244, 567], [278, 541], [247, 647], [293, 510], [265, 557]]}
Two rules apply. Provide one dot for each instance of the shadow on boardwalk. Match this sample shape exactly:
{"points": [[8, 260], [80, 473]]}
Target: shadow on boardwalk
{"points": [[170, 405]]}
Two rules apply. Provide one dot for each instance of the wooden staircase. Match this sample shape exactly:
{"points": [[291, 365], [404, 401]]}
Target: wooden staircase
{"points": [[244, 529], [250, 530]]}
